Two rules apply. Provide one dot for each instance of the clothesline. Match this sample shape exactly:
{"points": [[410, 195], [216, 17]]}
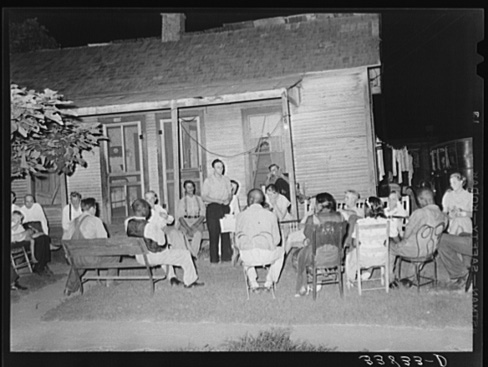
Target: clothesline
{"points": [[402, 161]]}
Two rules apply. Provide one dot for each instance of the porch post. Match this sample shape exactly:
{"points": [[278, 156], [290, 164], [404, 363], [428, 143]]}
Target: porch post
{"points": [[290, 161], [176, 152]]}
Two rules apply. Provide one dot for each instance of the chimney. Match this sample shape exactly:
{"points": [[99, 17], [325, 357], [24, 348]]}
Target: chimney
{"points": [[172, 26]]}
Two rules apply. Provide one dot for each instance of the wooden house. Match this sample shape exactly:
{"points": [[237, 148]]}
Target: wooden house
{"points": [[291, 90]]}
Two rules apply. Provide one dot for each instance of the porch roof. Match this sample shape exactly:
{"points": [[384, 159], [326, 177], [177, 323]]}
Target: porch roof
{"points": [[185, 95]]}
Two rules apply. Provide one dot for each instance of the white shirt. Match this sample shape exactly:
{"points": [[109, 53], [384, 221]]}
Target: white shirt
{"points": [[257, 227], [35, 214], [65, 219]]}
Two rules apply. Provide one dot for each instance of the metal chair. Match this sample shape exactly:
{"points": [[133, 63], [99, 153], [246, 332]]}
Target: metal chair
{"points": [[427, 240], [328, 233], [260, 281], [372, 244], [20, 259]]}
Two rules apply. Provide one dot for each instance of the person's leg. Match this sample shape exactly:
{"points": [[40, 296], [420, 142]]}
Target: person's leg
{"points": [[304, 259], [401, 249], [14, 277], [42, 252], [196, 243], [176, 257], [275, 268], [351, 265], [450, 246], [226, 248], [213, 226], [252, 276]]}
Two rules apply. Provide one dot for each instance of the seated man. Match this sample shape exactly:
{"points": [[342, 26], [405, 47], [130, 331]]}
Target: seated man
{"points": [[277, 178], [325, 212], [154, 237], [455, 252], [190, 215], [87, 226], [35, 218], [257, 238], [428, 213], [31, 238]]}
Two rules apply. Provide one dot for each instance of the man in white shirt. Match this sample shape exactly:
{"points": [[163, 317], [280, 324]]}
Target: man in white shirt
{"points": [[33, 212], [71, 211], [257, 238], [190, 215]]}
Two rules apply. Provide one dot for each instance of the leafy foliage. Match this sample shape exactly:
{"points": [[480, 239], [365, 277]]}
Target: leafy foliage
{"points": [[45, 136], [30, 36]]}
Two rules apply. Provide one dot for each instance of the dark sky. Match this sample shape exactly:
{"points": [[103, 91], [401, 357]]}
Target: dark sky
{"points": [[430, 88]]}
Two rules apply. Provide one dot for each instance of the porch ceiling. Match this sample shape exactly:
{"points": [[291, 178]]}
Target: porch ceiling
{"points": [[183, 94]]}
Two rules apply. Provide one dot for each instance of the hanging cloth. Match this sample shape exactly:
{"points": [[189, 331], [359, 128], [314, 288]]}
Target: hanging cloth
{"points": [[393, 161], [410, 169], [432, 154], [379, 160], [448, 164], [400, 160], [438, 158]]}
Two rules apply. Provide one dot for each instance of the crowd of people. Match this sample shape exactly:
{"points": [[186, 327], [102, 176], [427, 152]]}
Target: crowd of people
{"points": [[256, 236]]}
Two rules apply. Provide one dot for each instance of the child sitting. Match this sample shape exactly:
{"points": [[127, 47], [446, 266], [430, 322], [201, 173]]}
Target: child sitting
{"points": [[19, 234]]}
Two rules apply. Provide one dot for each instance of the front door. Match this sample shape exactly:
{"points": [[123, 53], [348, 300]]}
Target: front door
{"points": [[190, 157], [125, 164]]}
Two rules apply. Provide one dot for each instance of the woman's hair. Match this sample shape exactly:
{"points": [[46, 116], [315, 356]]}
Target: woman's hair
{"points": [[236, 183], [215, 161], [19, 213], [327, 201], [353, 192], [398, 195], [375, 207], [271, 187], [187, 182], [459, 176], [141, 208]]}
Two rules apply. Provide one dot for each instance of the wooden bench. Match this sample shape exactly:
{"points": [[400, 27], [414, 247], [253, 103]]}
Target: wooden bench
{"points": [[126, 247]]}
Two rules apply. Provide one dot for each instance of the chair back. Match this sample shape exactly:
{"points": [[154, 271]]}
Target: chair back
{"points": [[428, 239], [329, 233], [372, 233]]}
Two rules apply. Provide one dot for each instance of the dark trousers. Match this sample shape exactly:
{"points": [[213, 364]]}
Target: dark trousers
{"points": [[42, 251], [455, 253], [326, 255], [13, 275], [214, 213]]}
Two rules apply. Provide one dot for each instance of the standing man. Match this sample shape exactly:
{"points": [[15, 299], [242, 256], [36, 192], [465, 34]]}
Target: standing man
{"points": [[71, 211], [190, 215], [217, 194], [429, 213], [276, 177], [87, 226], [257, 238]]}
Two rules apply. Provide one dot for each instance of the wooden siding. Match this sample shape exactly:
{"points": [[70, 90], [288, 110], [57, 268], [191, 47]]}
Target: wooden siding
{"points": [[224, 137], [330, 134], [21, 187], [88, 181], [152, 136]]}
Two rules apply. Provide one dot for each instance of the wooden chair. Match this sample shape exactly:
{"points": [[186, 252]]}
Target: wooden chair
{"points": [[265, 267], [287, 227], [328, 233], [20, 259], [366, 232], [427, 240]]}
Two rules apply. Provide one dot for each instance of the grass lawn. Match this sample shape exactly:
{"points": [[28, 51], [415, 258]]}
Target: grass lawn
{"points": [[223, 300]]}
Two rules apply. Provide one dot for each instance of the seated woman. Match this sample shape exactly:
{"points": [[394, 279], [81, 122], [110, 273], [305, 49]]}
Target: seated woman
{"points": [[325, 212], [23, 237], [376, 254], [458, 204], [395, 210]]}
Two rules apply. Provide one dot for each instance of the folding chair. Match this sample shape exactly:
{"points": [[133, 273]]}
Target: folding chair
{"points": [[287, 227], [372, 251], [427, 240], [328, 233], [20, 259]]}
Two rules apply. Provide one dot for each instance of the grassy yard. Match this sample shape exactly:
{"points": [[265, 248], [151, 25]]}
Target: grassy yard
{"points": [[223, 300]]}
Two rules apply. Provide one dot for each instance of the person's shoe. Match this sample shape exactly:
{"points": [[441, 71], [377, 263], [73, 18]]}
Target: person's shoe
{"points": [[459, 283], [365, 275], [393, 285], [68, 293], [48, 271], [16, 286], [175, 282], [195, 284], [407, 283]]}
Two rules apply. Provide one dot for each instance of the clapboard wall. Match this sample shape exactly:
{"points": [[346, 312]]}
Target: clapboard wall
{"points": [[332, 134]]}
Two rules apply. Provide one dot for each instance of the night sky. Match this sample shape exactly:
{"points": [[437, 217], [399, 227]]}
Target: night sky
{"points": [[430, 87]]}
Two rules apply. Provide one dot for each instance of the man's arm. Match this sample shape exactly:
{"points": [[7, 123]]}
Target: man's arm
{"points": [[275, 229], [65, 218], [414, 223]]}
